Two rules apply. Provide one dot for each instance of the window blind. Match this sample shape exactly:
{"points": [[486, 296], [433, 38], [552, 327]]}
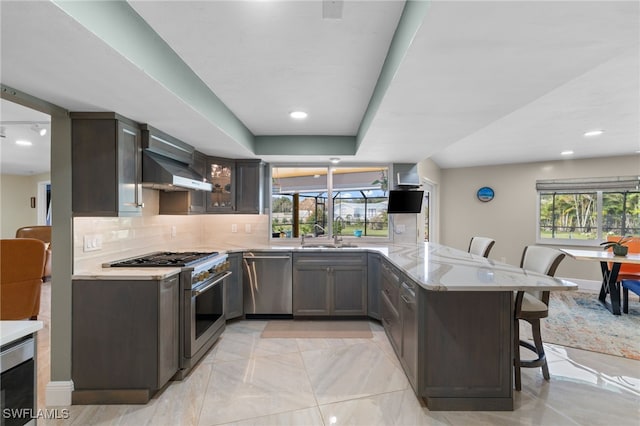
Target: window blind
{"points": [[616, 183]]}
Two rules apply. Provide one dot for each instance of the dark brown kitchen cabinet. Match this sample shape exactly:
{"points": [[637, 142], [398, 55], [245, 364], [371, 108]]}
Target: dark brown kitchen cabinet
{"points": [[125, 339], [106, 165], [330, 284], [186, 202]]}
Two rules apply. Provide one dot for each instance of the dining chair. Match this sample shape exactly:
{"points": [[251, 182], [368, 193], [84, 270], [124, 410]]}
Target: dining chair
{"points": [[21, 266], [532, 307], [39, 232], [629, 274], [481, 246]]}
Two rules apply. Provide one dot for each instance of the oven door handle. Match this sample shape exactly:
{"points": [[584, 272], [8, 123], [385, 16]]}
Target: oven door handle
{"points": [[198, 291]]}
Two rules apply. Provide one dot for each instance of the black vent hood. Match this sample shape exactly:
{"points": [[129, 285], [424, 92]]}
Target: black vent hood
{"points": [[165, 163]]}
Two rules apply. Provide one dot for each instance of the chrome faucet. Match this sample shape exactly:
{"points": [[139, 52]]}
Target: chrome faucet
{"points": [[315, 225], [337, 238]]}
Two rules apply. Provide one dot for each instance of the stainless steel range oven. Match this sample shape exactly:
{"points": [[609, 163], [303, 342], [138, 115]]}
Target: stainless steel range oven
{"points": [[202, 318]]}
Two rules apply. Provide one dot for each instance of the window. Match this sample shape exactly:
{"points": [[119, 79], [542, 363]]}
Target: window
{"points": [[586, 211], [317, 201]]}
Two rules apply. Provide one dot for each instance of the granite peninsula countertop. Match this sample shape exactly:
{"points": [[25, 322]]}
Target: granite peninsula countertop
{"points": [[434, 267]]}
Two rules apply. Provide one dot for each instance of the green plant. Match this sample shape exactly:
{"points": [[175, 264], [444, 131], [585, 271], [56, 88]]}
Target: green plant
{"points": [[383, 182], [618, 247]]}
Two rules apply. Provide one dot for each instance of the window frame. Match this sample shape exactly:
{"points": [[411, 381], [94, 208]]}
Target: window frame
{"points": [[599, 186], [330, 194]]}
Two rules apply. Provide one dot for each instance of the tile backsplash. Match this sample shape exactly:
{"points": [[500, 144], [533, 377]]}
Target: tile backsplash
{"points": [[123, 237]]}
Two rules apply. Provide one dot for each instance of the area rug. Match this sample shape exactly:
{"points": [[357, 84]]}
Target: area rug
{"points": [[317, 329], [578, 320]]}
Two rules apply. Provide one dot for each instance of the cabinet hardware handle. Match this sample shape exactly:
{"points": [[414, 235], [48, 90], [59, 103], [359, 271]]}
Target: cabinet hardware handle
{"points": [[199, 291], [407, 301]]}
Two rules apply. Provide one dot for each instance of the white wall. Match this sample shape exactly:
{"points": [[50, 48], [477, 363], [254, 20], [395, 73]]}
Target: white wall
{"points": [[511, 217], [15, 202]]}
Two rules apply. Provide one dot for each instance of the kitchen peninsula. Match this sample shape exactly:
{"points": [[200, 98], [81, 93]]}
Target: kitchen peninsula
{"points": [[448, 316]]}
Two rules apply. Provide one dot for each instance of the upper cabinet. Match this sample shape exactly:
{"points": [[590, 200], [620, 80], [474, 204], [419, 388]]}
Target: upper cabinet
{"points": [[106, 165], [220, 173], [237, 186], [249, 186]]}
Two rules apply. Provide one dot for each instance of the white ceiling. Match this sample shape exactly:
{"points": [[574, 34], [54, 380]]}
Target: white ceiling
{"points": [[480, 83]]}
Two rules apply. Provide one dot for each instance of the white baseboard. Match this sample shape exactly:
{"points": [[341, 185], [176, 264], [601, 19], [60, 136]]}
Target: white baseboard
{"points": [[58, 394], [589, 286]]}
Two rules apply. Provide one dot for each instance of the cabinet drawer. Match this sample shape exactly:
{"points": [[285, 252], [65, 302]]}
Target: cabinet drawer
{"points": [[392, 323], [391, 285]]}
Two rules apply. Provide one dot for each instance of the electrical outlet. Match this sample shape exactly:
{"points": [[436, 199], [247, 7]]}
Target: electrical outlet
{"points": [[92, 242], [247, 228], [234, 227], [400, 229], [173, 231]]}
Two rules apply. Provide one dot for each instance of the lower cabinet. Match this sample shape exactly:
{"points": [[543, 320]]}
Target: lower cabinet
{"points": [[329, 284], [390, 306], [125, 339], [373, 285], [233, 300]]}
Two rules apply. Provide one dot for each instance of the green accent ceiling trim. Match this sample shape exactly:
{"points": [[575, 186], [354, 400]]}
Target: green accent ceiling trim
{"points": [[410, 21], [118, 25], [305, 145]]}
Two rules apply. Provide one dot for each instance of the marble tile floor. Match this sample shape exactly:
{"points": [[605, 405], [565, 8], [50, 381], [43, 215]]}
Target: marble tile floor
{"points": [[248, 380]]}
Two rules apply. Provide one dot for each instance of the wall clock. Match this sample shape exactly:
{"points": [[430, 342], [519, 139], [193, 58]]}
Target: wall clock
{"points": [[485, 194]]}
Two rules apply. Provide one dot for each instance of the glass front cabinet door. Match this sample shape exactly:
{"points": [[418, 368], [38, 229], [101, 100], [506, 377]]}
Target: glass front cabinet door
{"points": [[220, 173]]}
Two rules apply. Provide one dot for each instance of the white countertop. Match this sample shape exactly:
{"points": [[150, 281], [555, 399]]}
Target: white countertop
{"points": [[433, 266], [13, 330], [100, 273]]}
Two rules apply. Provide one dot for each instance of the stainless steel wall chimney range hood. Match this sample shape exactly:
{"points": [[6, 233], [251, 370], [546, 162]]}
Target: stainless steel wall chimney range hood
{"points": [[166, 161], [161, 172]]}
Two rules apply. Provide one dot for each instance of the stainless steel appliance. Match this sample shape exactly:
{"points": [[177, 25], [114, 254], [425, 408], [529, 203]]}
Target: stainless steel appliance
{"points": [[267, 287], [202, 298], [18, 382]]}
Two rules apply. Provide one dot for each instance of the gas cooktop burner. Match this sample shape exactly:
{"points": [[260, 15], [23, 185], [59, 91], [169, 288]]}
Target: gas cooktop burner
{"points": [[161, 259]]}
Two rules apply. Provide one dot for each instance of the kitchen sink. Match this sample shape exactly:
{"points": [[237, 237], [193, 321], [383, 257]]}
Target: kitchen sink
{"points": [[327, 245]]}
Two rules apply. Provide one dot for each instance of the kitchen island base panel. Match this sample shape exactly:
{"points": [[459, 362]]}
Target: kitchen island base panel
{"points": [[469, 404], [466, 346], [111, 396]]}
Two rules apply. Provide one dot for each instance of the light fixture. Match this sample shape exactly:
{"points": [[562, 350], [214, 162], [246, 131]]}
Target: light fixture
{"points": [[593, 133], [334, 160], [567, 152], [23, 142], [39, 130], [298, 115]]}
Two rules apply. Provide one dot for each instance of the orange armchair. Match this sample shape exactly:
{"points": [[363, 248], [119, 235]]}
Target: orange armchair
{"points": [[21, 265], [42, 233]]}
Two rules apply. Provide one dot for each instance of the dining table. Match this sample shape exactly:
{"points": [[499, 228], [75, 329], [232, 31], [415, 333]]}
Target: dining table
{"points": [[610, 267]]}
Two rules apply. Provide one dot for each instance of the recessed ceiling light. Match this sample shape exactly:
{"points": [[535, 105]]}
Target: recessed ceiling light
{"points": [[568, 152], [39, 130], [23, 143], [334, 160], [592, 133], [298, 115]]}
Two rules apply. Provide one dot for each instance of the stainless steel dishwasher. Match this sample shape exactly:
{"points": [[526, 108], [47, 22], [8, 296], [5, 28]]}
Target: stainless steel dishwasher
{"points": [[267, 285]]}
